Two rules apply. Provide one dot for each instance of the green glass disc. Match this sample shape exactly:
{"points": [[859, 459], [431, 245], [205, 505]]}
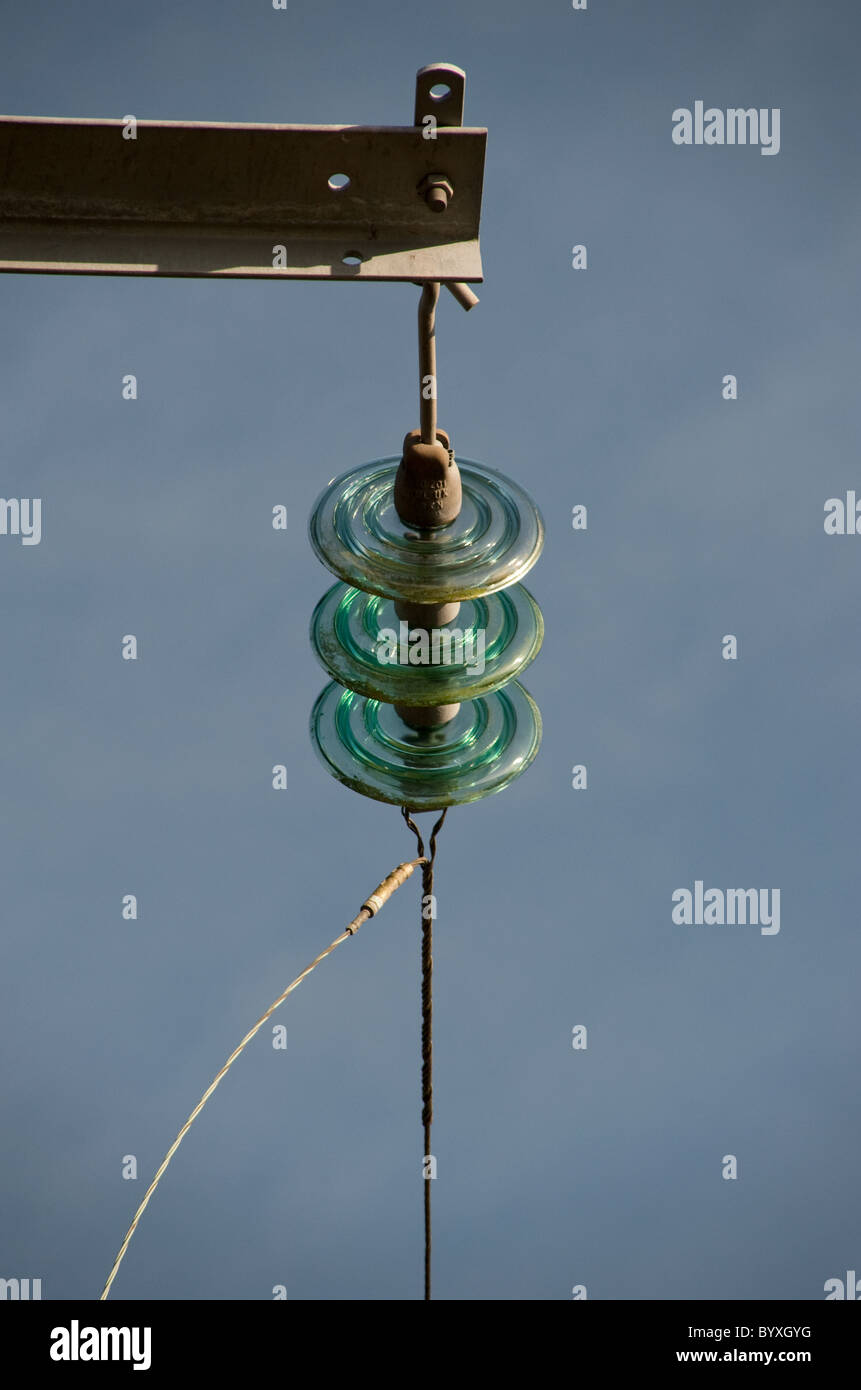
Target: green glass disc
{"points": [[490, 641], [495, 540], [366, 745]]}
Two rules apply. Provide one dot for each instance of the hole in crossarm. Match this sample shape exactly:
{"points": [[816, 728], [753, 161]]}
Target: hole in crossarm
{"points": [[352, 258], [440, 90], [338, 182]]}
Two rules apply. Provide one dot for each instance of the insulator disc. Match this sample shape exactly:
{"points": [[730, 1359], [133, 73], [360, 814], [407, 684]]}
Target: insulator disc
{"points": [[365, 646], [365, 744], [495, 540]]}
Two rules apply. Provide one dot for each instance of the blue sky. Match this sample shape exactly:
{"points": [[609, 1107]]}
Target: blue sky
{"points": [[602, 387]]}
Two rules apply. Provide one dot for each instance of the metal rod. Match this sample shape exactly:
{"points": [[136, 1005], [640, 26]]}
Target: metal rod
{"points": [[462, 293], [427, 360]]}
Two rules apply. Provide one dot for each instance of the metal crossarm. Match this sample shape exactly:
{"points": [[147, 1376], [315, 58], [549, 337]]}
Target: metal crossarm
{"points": [[192, 199]]}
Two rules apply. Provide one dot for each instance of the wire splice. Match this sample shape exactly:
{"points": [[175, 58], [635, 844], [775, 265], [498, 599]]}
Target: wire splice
{"points": [[382, 893]]}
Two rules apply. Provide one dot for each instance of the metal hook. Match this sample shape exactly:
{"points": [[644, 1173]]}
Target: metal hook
{"points": [[427, 359]]}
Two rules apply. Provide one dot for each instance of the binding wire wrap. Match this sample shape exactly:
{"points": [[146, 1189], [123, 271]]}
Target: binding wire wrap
{"points": [[370, 908], [427, 864]]}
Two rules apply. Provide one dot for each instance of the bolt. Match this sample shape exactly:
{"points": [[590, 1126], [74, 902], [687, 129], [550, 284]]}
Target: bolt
{"points": [[437, 192]]}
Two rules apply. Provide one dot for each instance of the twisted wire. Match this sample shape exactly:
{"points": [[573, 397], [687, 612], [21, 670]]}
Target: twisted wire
{"points": [[427, 1019]]}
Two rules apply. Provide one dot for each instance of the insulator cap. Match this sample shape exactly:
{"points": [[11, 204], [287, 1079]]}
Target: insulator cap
{"points": [[427, 483]]}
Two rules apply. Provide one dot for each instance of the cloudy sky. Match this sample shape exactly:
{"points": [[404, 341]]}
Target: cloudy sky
{"points": [[600, 387]]}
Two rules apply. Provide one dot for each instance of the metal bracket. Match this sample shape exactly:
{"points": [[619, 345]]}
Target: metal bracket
{"points": [[440, 91], [193, 199]]}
